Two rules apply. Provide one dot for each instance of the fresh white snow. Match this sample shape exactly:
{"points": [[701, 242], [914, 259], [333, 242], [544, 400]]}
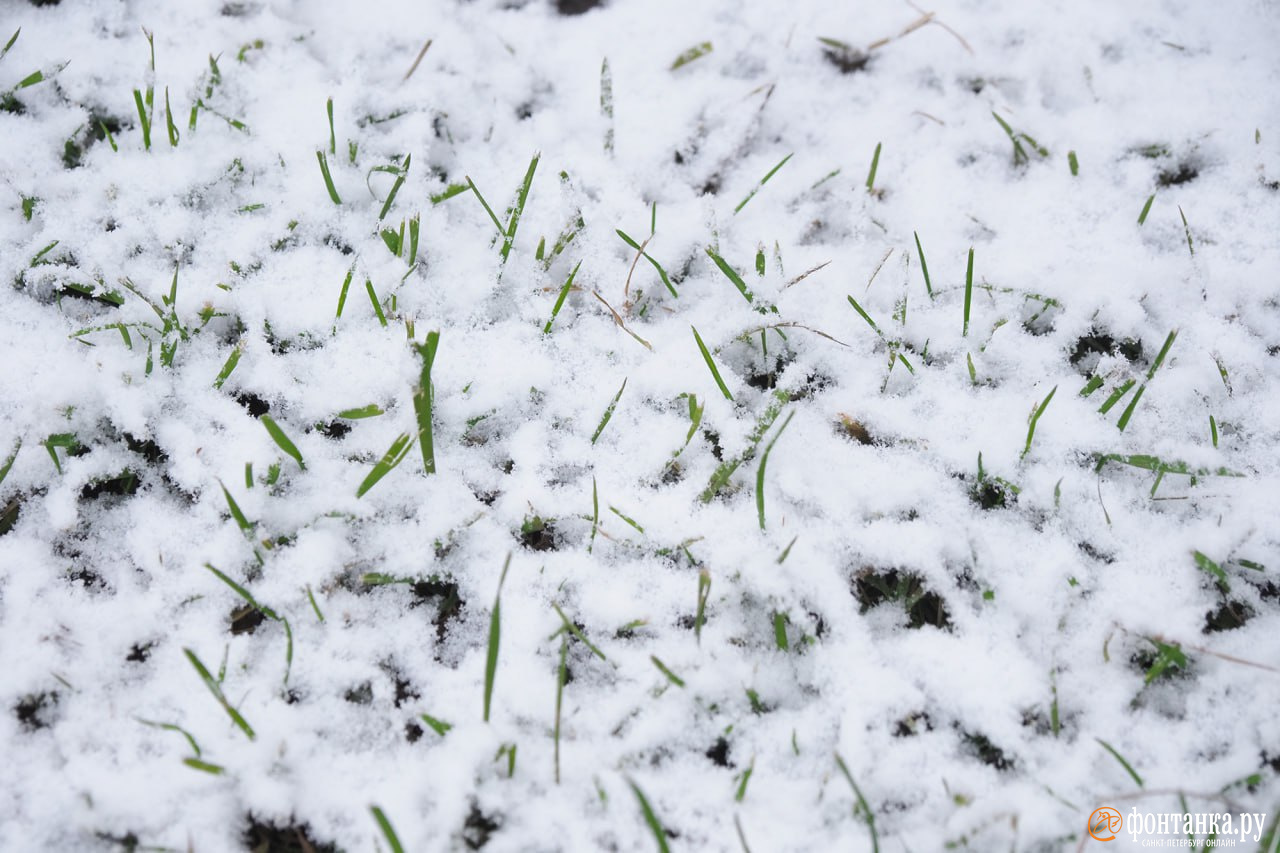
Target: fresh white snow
{"points": [[970, 650]]}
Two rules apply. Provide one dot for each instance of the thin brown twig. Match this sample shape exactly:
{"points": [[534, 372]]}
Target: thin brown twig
{"points": [[617, 318], [805, 275], [626, 288], [414, 67]]}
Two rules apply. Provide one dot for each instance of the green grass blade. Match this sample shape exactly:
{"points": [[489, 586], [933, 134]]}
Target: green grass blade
{"points": [[1164, 351], [328, 178], [1073, 164], [370, 411], [168, 120], [662, 273], [700, 613], [696, 52], [8, 463], [495, 638], [650, 818], [229, 365], [373, 300], [608, 412], [144, 120], [1210, 567], [13, 38], [424, 402], [333, 139], [715, 372], [241, 521], [733, 276], [875, 164], [1035, 418], [448, 192], [763, 181], [671, 676], [394, 456], [1116, 395], [401, 174], [577, 632], [560, 299], [1146, 208], [1133, 774], [864, 315], [287, 445], [440, 727], [764, 459], [1129, 409], [518, 208], [924, 267], [342, 295], [861, 804], [393, 841], [606, 105], [968, 293], [487, 209], [211, 683]]}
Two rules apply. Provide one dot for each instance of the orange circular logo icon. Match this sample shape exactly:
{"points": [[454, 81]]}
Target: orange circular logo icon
{"points": [[1104, 823]]}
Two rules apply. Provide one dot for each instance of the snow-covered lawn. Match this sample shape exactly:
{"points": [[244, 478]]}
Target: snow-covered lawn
{"points": [[532, 426]]}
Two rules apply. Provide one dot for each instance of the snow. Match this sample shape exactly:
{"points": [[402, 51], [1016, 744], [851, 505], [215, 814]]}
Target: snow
{"points": [[1055, 605]]}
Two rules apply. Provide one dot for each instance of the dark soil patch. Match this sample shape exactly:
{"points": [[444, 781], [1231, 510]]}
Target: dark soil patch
{"points": [[985, 751], [35, 711], [538, 534], [253, 404], [719, 753], [873, 587], [1183, 173], [264, 837], [246, 619], [1228, 617], [479, 828]]}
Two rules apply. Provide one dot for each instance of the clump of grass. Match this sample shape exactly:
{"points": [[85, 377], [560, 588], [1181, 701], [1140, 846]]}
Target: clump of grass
{"points": [[1020, 156]]}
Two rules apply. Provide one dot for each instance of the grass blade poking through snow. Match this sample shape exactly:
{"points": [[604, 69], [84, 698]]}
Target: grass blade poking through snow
{"points": [[564, 294], [696, 52], [513, 222], [216, 690], [764, 459], [144, 120], [495, 638], [394, 456], [871, 174], [278, 436], [393, 841], [424, 402], [168, 120], [657, 266], [655, 825], [606, 105], [924, 268], [561, 673], [1035, 418], [328, 178], [1133, 774], [1146, 208], [1155, 365], [968, 293], [700, 614], [608, 412], [861, 806], [760, 185], [715, 372]]}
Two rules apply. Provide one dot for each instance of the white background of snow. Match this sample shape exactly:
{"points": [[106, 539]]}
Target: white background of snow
{"points": [[323, 760]]}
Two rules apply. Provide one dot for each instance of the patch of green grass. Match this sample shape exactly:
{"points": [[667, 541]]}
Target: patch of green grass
{"points": [[720, 477]]}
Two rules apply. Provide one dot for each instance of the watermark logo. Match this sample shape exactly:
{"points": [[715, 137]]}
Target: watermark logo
{"points": [[1104, 823]]}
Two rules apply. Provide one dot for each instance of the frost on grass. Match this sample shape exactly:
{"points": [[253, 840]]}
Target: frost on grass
{"points": [[877, 411]]}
